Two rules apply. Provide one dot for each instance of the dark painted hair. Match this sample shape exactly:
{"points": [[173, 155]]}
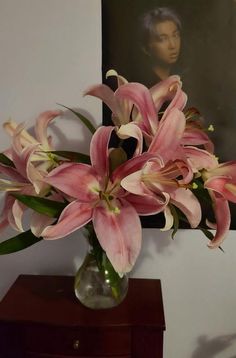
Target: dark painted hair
{"points": [[154, 16]]}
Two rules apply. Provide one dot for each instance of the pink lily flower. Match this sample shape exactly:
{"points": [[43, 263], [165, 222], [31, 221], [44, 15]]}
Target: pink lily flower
{"points": [[194, 133], [16, 180], [147, 104], [100, 198], [41, 141], [221, 184], [160, 175], [155, 178], [26, 177]]}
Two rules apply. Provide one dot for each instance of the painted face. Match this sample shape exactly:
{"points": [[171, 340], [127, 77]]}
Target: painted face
{"points": [[164, 44]]}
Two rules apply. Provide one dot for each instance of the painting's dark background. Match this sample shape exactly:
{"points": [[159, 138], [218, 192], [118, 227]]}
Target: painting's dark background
{"points": [[207, 64]]}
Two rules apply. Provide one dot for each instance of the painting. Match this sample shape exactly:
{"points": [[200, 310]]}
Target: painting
{"points": [[203, 54]]}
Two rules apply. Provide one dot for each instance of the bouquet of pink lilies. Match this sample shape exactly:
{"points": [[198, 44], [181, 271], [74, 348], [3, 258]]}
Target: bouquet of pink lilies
{"points": [[172, 162]]}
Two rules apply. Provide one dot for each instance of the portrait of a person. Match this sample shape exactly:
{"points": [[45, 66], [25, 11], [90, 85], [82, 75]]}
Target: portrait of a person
{"points": [[160, 38]]}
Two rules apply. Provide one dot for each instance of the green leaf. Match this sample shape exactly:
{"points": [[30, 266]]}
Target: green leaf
{"points": [[6, 161], [73, 156], [83, 119], [117, 157], [19, 242], [201, 193], [176, 220], [41, 205], [207, 233]]}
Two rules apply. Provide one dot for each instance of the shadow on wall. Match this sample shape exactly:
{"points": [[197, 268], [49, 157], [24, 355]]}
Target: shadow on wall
{"points": [[210, 348]]}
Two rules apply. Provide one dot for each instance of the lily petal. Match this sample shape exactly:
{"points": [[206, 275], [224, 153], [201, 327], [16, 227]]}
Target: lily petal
{"points": [[169, 219], [225, 169], [168, 137], [186, 201], [200, 158], [120, 79], [26, 139], [77, 180], [39, 222], [119, 235], [222, 215], [222, 186], [196, 136], [99, 152], [148, 204], [41, 127], [73, 217], [140, 96], [16, 214], [104, 93], [133, 131], [22, 159], [12, 173], [7, 207], [167, 90], [132, 165]]}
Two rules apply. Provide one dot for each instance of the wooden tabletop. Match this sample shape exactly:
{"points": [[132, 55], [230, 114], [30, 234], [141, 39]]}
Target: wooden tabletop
{"points": [[51, 300]]}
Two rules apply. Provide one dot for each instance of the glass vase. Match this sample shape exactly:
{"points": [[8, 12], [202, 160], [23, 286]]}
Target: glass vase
{"points": [[97, 285]]}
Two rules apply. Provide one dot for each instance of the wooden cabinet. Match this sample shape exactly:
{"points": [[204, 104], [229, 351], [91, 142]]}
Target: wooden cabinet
{"points": [[40, 317]]}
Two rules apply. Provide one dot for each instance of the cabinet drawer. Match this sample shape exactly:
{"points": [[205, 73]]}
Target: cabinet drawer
{"points": [[80, 342]]}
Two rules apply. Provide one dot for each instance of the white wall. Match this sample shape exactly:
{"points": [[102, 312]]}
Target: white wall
{"points": [[50, 51]]}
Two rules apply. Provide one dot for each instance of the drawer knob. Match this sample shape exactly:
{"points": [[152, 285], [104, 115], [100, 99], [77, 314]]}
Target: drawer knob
{"points": [[76, 344]]}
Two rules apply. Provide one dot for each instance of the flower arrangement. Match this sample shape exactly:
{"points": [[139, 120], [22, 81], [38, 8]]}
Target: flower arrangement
{"points": [[172, 169]]}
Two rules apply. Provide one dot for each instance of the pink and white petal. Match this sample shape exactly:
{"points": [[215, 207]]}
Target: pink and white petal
{"points": [[119, 235], [195, 136], [9, 185], [133, 183], [168, 90], [184, 170], [4, 223], [186, 201], [165, 91], [211, 224], [124, 110], [200, 159], [39, 222], [225, 169], [222, 215], [15, 215], [7, 207], [77, 180], [104, 93], [222, 186], [37, 179], [12, 173], [73, 217], [178, 102], [8, 152], [21, 159], [169, 219], [18, 134], [25, 138], [41, 127], [148, 204], [132, 165], [120, 79], [99, 152], [131, 130], [140, 96], [168, 137]]}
